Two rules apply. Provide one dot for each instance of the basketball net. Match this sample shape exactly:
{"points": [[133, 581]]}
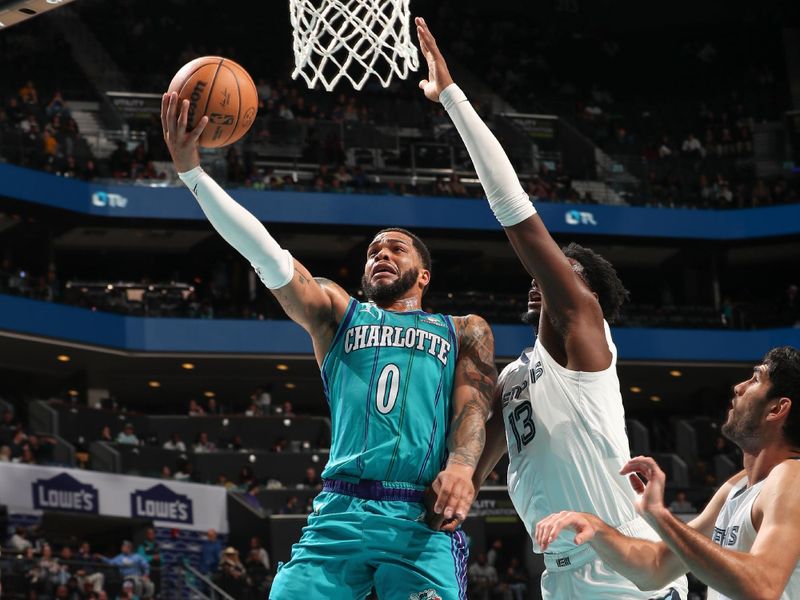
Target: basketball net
{"points": [[353, 39]]}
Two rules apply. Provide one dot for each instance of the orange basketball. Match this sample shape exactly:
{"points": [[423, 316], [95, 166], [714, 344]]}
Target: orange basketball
{"points": [[221, 89]]}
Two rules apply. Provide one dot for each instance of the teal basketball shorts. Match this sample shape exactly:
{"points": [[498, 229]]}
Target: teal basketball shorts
{"points": [[367, 534]]}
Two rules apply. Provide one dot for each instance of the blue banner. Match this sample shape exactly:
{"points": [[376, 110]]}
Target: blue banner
{"points": [[414, 212], [142, 334]]}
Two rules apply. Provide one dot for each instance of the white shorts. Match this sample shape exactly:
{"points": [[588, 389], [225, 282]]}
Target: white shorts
{"points": [[596, 581], [580, 574]]}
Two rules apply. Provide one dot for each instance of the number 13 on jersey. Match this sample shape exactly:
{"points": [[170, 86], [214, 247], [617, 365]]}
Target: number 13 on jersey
{"points": [[522, 425]]}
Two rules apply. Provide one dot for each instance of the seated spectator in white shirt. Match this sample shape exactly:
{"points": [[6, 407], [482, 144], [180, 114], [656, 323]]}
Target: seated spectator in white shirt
{"points": [[203, 444], [175, 443], [692, 147], [127, 436]]}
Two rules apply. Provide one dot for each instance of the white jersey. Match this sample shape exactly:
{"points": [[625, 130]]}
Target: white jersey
{"points": [[566, 441], [734, 530]]}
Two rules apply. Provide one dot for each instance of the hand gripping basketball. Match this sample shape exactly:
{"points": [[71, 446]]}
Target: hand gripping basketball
{"points": [[182, 144]]}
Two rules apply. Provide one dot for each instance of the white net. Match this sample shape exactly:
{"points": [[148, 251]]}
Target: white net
{"points": [[354, 39]]}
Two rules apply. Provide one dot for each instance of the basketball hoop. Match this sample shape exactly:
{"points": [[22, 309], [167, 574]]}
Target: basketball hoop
{"points": [[354, 39]]}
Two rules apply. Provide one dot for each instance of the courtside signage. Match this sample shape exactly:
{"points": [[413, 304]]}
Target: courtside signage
{"points": [[65, 493], [162, 504]]}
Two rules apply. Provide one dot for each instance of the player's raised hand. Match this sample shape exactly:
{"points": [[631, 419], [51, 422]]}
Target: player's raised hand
{"points": [[452, 496], [547, 529], [438, 74], [182, 144], [651, 493]]}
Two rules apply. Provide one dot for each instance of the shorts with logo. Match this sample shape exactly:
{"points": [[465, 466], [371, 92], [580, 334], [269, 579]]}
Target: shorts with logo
{"points": [[364, 534], [580, 573]]}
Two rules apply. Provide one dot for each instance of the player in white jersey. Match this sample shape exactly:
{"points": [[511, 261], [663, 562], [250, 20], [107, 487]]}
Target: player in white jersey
{"points": [[746, 542], [561, 418]]}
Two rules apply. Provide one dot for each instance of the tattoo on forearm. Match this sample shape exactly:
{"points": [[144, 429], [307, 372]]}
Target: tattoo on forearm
{"points": [[468, 429]]}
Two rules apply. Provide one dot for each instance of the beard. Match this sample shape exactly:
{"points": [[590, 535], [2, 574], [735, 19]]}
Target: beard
{"points": [[531, 318], [390, 291], [743, 429]]}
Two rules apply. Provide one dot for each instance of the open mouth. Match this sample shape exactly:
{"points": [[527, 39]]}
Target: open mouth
{"points": [[383, 269]]}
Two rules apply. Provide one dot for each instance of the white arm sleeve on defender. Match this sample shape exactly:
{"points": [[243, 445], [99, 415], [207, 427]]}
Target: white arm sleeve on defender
{"points": [[274, 265], [508, 201]]}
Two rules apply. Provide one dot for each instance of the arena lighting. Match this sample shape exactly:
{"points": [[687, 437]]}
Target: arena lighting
{"points": [[154, 384], [63, 358], [282, 367], [655, 398], [209, 394], [675, 373], [636, 389], [290, 386], [17, 11], [72, 393], [187, 366]]}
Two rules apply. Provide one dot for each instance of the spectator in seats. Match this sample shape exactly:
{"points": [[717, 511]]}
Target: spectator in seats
{"points": [[42, 448], [105, 434], [132, 567], [28, 94], [254, 410], [279, 445], [184, 472], [692, 148], [203, 444], [482, 578], [210, 552], [149, 550], [49, 571], [19, 441], [27, 457], [257, 574], [166, 472], [251, 497], [245, 479], [86, 569], [665, 148], [681, 504], [19, 541], [223, 480], [789, 309], [288, 409], [127, 435], [457, 187], [292, 506], [127, 591], [516, 579], [5, 454], [175, 443], [494, 557], [57, 107], [231, 575], [195, 410], [212, 408], [312, 480], [257, 548], [263, 397]]}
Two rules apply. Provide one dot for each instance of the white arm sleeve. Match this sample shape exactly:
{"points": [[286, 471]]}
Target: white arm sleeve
{"points": [[274, 265], [508, 201]]}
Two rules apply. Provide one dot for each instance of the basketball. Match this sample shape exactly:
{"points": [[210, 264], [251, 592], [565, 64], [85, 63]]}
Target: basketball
{"points": [[221, 89]]}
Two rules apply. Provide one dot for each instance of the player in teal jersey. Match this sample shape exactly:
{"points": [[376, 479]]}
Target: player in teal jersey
{"points": [[409, 394]]}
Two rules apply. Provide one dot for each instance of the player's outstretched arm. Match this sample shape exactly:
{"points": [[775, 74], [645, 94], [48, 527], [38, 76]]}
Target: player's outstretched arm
{"points": [[650, 565], [317, 308], [571, 306], [475, 379], [761, 573]]}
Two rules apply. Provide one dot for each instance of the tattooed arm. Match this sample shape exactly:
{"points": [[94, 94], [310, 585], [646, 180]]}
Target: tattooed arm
{"points": [[475, 379]]}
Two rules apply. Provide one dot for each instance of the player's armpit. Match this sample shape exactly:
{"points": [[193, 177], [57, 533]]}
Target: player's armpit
{"points": [[704, 522], [317, 305]]}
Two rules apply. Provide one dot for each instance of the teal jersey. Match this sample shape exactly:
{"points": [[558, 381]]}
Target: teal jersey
{"points": [[388, 377]]}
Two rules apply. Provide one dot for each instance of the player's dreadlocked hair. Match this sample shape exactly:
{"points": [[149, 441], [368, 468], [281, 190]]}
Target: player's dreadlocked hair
{"points": [[783, 367], [602, 278]]}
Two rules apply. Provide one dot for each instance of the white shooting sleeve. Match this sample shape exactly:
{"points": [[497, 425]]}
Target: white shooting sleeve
{"points": [[508, 201], [273, 264]]}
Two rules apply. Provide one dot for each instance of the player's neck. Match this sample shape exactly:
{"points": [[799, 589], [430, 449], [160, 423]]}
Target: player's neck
{"points": [[758, 464], [402, 304]]}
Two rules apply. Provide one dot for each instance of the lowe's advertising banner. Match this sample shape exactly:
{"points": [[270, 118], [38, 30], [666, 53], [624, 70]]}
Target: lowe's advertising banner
{"points": [[30, 488], [160, 202]]}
